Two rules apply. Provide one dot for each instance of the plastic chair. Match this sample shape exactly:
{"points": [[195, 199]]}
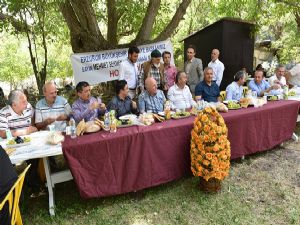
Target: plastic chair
{"points": [[223, 95], [13, 197]]}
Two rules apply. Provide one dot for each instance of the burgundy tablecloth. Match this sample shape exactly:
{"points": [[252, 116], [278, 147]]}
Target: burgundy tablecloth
{"points": [[138, 157]]}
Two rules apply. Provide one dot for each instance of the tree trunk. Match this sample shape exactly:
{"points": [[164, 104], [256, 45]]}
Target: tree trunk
{"points": [[144, 33], [112, 23], [84, 30], [178, 16]]}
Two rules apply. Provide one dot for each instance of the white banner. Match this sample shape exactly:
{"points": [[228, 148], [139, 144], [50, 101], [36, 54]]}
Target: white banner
{"points": [[97, 67]]}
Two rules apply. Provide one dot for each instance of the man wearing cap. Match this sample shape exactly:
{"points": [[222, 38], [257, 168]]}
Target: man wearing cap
{"points": [[193, 68], [129, 70], [153, 68], [234, 91]]}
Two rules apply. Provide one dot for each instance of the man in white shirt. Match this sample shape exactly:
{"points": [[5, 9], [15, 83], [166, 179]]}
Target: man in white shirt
{"points": [[179, 94], [217, 65], [278, 77], [17, 115], [234, 91], [129, 70], [293, 76]]}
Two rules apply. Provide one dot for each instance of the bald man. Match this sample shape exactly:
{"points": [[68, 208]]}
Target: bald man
{"points": [[153, 99], [217, 66], [52, 109]]}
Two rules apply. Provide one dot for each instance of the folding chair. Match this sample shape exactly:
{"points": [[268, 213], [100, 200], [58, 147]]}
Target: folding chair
{"points": [[13, 197]]}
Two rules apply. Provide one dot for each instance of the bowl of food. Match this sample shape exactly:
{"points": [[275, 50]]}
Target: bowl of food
{"points": [[244, 102]]}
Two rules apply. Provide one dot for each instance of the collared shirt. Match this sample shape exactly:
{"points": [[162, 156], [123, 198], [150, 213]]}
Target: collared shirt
{"points": [[9, 119], [218, 69], [170, 72], [209, 93], [81, 110], [180, 98], [272, 79], [152, 103], [60, 107], [262, 86], [234, 91], [122, 107], [295, 78], [129, 71], [153, 72]]}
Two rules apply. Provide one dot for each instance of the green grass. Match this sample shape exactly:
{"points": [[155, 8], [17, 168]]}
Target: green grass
{"points": [[262, 189]]}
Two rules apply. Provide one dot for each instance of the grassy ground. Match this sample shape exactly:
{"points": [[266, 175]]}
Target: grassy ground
{"points": [[262, 189]]}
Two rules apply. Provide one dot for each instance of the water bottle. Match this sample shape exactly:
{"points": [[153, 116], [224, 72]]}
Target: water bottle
{"points": [[106, 121], [73, 127], [8, 134]]}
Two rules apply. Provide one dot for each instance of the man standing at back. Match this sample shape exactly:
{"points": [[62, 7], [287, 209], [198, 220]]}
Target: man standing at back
{"points": [[217, 65], [193, 68], [153, 68], [129, 70], [170, 70]]}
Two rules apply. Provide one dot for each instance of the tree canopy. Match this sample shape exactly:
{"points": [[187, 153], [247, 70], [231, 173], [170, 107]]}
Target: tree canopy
{"points": [[53, 29]]}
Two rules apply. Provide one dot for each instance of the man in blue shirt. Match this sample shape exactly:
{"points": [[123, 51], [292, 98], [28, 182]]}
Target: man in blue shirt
{"points": [[260, 86], [122, 102], [234, 91], [152, 99], [207, 89]]}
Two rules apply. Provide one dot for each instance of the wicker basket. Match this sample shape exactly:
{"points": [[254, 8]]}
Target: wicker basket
{"points": [[213, 185]]}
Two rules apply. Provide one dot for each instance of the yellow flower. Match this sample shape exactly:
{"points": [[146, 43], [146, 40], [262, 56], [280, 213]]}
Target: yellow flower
{"points": [[210, 148], [204, 118], [208, 156], [205, 162], [206, 128]]}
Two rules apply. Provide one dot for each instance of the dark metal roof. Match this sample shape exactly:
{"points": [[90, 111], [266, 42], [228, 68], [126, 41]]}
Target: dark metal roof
{"points": [[223, 19]]}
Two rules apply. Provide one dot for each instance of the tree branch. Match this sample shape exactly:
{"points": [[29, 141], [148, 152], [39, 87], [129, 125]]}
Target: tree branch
{"points": [[144, 33], [18, 25], [297, 15], [112, 23], [178, 16]]}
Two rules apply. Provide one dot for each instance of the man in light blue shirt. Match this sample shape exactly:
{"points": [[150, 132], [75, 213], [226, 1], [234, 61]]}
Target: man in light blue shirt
{"points": [[52, 110], [260, 86], [152, 99], [234, 91]]}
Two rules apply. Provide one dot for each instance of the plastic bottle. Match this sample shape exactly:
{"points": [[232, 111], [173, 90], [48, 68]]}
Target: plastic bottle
{"points": [[106, 121], [8, 134], [73, 127], [167, 110]]}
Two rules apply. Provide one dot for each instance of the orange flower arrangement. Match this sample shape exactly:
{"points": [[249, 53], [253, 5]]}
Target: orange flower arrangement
{"points": [[210, 148]]}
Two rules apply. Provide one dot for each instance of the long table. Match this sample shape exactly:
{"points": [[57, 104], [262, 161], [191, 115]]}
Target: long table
{"points": [[139, 157]]}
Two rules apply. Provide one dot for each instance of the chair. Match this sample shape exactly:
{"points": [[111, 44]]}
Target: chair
{"points": [[13, 197], [223, 95]]}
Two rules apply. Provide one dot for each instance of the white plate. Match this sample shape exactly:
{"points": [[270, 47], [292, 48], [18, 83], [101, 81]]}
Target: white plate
{"points": [[226, 101], [95, 128], [128, 117], [18, 145], [163, 113]]}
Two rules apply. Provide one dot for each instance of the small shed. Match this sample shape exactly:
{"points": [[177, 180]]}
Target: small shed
{"points": [[235, 40]]}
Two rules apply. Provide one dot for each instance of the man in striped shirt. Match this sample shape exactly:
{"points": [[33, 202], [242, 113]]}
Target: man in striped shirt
{"points": [[52, 109], [17, 115]]}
